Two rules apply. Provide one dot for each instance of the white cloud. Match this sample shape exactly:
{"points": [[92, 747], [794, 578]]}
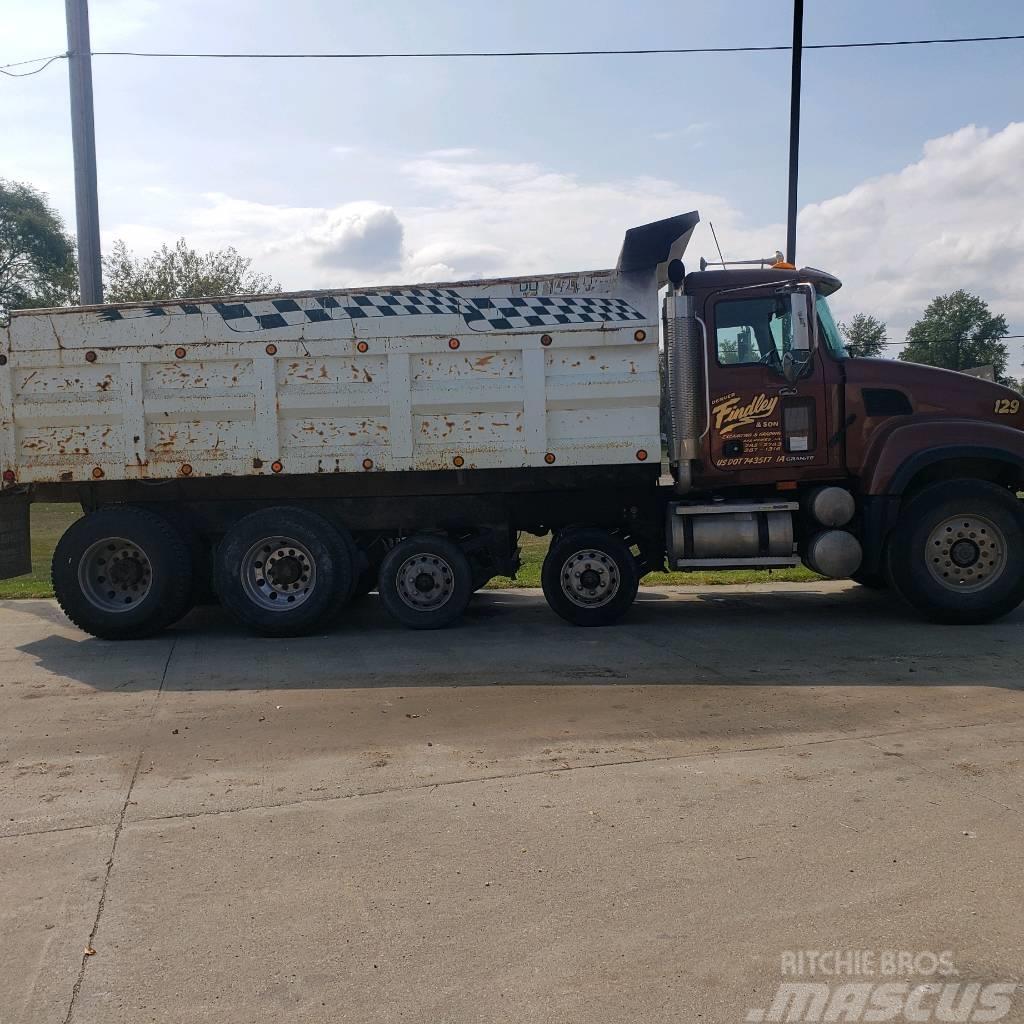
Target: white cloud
{"points": [[455, 153], [32, 28], [954, 218], [360, 237], [534, 220]]}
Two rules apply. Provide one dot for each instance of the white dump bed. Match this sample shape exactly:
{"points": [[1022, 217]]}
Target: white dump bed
{"points": [[535, 371]]}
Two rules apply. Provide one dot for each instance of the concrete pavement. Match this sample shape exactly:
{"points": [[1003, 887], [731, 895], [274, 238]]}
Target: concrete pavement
{"points": [[513, 820]]}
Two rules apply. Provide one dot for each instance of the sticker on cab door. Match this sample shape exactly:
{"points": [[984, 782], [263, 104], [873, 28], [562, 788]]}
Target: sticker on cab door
{"points": [[753, 421]]}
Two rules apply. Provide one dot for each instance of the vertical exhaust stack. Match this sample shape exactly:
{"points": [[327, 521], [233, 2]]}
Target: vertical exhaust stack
{"points": [[684, 366], [651, 258]]}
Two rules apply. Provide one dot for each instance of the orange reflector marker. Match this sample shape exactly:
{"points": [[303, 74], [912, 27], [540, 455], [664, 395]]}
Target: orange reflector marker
{"points": [[271, 350], [362, 347], [545, 339], [90, 357], [186, 470], [459, 461], [549, 458], [453, 343], [642, 454], [179, 353], [783, 265], [276, 466], [640, 335], [367, 463], [786, 485], [97, 473]]}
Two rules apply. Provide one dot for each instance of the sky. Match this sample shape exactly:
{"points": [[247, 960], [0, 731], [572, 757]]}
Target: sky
{"points": [[338, 173]]}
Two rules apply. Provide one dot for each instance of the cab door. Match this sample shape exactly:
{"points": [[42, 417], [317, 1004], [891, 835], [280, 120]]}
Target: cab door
{"points": [[760, 421]]}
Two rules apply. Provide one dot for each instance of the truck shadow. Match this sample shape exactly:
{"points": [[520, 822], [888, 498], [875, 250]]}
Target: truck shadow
{"points": [[789, 637]]}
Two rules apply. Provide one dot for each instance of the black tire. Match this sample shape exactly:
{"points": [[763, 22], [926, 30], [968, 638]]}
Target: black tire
{"points": [[366, 581], [203, 590], [140, 556], [957, 552], [425, 582], [572, 556], [482, 578], [871, 580], [357, 560], [312, 581]]}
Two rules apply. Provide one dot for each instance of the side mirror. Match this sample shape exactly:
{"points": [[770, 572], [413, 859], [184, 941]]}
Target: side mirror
{"points": [[801, 305], [802, 318]]}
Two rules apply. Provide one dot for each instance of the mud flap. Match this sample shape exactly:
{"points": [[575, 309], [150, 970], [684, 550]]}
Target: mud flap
{"points": [[15, 536]]}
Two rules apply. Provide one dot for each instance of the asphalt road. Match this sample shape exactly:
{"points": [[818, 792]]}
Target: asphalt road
{"points": [[513, 820]]}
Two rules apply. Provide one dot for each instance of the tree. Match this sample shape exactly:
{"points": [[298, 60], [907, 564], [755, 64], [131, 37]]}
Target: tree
{"points": [[865, 335], [180, 272], [958, 331], [37, 255]]}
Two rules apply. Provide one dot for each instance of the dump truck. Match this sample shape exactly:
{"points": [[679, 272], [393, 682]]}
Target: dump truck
{"points": [[287, 453]]}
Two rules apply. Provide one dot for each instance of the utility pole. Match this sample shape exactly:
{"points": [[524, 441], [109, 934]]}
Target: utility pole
{"points": [[83, 138], [794, 128]]}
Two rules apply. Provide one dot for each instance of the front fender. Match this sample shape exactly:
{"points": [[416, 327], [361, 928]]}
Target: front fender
{"points": [[904, 451]]}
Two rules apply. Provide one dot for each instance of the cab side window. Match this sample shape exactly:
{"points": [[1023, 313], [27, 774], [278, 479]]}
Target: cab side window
{"points": [[752, 331]]}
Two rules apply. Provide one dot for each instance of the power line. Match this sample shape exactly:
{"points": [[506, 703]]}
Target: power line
{"points": [[22, 63], [559, 53], [903, 344], [647, 51]]}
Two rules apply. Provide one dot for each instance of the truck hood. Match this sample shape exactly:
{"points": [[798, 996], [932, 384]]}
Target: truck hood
{"points": [[933, 391]]}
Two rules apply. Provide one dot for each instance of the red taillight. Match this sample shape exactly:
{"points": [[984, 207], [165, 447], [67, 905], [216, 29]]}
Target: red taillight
{"points": [[9, 476]]}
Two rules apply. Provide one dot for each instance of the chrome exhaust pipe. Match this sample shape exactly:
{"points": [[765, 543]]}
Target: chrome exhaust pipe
{"points": [[684, 364]]}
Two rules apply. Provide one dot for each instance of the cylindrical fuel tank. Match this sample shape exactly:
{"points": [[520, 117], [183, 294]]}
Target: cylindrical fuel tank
{"points": [[834, 553], [830, 506]]}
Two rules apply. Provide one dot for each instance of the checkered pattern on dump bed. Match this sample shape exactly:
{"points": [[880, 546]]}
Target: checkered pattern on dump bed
{"points": [[487, 314], [479, 313]]}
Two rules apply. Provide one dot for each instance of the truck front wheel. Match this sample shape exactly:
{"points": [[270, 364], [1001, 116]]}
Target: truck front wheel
{"points": [[123, 573], [590, 577], [283, 571], [957, 553]]}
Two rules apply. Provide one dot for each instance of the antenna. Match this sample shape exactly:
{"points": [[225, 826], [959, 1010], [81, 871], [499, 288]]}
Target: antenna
{"points": [[717, 246]]}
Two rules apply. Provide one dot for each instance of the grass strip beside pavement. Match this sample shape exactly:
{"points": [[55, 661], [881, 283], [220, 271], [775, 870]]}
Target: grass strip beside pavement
{"points": [[49, 521], [535, 548]]}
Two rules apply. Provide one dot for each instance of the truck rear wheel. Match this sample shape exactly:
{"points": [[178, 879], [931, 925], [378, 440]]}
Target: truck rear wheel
{"points": [[425, 582], [283, 571], [590, 577], [957, 553], [871, 580], [123, 573]]}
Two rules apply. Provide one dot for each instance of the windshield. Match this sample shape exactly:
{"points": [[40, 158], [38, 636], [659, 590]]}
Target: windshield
{"points": [[829, 331]]}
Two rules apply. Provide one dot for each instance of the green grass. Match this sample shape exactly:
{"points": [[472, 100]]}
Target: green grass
{"points": [[535, 548], [50, 521]]}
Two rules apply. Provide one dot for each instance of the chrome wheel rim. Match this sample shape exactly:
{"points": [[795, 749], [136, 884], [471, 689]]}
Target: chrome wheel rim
{"points": [[115, 575], [590, 578], [425, 582], [966, 553], [278, 574]]}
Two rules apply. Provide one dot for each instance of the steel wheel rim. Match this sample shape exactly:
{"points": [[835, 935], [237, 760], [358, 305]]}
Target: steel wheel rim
{"points": [[425, 582], [966, 553], [590, 578], [115, 575], [278, 574]]}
